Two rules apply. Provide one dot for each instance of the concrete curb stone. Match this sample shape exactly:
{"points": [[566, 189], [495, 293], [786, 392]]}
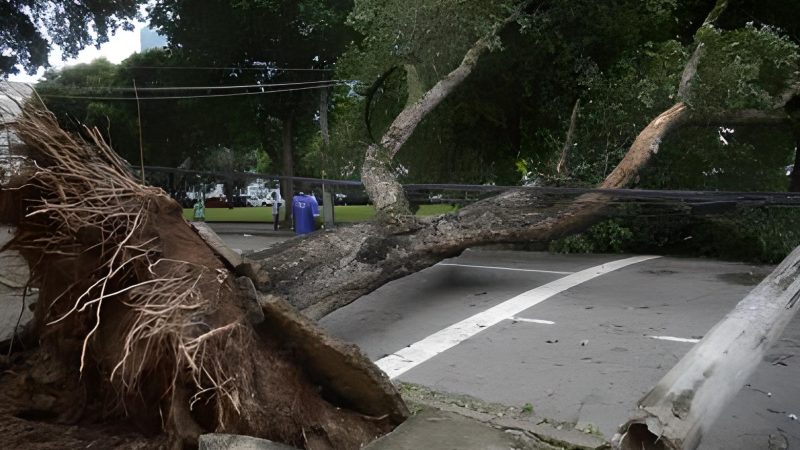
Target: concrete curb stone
{"points": [[219, 441]]}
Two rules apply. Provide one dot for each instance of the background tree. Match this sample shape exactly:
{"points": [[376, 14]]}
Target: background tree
{"points": [[213, 134], [274, 35], [30, 28]]}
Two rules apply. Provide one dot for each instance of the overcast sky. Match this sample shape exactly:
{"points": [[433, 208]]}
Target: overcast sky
{"points": [[118, 47]]}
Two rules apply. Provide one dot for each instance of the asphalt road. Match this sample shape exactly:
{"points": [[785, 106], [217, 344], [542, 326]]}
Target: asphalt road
{"points": [[583, 356], [581, 352]]}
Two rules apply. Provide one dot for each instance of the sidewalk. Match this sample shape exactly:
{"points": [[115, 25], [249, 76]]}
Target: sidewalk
{"points": [[444, 421], [435, 429], [440, 430]]}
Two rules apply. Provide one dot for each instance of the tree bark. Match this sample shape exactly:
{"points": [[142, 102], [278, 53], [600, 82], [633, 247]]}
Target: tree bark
{"points": [[287, 157], [340, 266], [685, 403]]}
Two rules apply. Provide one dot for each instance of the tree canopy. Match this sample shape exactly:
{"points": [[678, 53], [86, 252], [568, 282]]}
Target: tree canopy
{"points": [[30, 28], [611, 66]]}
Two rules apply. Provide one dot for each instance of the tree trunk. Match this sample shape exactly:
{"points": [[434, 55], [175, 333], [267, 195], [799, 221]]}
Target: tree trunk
{"points": [[340, 266], [287, 157], [685, 403]]}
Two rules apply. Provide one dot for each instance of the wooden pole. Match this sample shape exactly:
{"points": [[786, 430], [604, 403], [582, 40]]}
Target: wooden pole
{"points": [[685, 403]]}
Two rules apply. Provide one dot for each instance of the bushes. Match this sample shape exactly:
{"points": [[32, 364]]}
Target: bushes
{"points": [[759, 235], [605, 237], [764, 235]]}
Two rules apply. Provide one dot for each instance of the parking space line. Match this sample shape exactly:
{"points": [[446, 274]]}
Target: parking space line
{"points": [[675, 339], [415, 354], [505, 268], [522, 319]]}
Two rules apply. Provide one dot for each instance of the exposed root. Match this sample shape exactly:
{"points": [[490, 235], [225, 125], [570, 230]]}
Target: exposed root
{"points": [[88, 190], [148, 323]]}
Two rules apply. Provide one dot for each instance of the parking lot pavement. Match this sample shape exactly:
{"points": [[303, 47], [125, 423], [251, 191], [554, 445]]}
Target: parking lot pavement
{"points": [[582, 356]]}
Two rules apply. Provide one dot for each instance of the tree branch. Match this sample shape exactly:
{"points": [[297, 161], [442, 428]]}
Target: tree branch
{"points": [[741, 117], [689, 72], [562, 161], [379, 181]]}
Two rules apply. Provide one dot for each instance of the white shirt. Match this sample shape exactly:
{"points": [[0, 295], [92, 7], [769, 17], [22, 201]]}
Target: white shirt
{"points": [[276, 202]]}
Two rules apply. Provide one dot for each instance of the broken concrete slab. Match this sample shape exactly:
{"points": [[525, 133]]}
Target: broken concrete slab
{"points": [[503, 417], [240, 264], [440, 430], [564, 438], [340, 370], [231, 258], [218, 441]]}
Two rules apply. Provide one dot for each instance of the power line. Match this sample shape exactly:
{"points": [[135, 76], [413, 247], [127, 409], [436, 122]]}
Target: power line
{"points": [[179, 97], [201, 88], [265, 68], [642, 197]]}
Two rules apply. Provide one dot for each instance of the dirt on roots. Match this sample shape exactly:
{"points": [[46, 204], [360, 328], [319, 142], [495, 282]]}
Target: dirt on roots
{"points": [[146, 337]]}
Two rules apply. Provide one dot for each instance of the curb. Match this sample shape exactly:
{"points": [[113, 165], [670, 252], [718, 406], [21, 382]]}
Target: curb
{"points": [[537, 428]]}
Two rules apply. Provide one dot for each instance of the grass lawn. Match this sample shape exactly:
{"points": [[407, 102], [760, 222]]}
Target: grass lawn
{"points": [[354, 213]]}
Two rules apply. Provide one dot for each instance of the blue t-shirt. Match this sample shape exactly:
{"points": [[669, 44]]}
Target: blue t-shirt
{"points": [[304, 209]]}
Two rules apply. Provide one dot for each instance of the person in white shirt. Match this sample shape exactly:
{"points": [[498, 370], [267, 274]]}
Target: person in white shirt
{"points": [[276, 209]]}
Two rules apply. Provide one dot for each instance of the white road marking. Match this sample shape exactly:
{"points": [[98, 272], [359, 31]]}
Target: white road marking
{"points": [[415, 354], [675, 339], [522, 319], [505, 268]]}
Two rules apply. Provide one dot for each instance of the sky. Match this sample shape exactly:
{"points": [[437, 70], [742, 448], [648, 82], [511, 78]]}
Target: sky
{"points": [[118, 47]]}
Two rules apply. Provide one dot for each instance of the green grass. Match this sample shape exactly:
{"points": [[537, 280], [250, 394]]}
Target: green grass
{"points": [[353, 213]]}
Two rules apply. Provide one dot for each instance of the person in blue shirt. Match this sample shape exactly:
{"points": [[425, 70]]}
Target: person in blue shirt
{"points": [[304, 209]]}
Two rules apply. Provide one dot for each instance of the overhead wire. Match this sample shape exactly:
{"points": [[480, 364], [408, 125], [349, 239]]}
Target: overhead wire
{"points": [[199, 88], [555, 195], [180, 97], [265, 68]]}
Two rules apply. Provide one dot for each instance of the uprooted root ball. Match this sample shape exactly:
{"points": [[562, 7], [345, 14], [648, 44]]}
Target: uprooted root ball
{"points": [[139, 320]]}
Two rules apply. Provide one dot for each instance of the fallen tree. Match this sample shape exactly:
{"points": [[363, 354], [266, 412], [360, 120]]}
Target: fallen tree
{"points": [[153, 317], [337, 267]]}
